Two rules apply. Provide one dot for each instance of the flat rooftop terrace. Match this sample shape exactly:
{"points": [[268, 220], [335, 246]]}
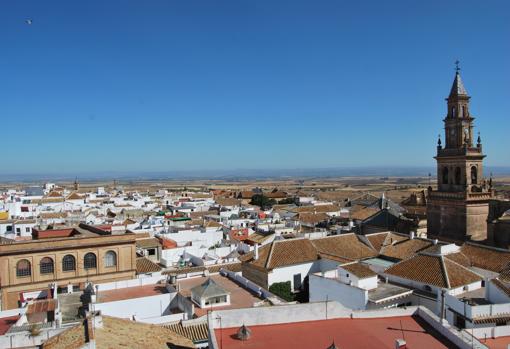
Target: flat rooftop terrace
{"points": [[239, 296], [129, 293], [346, 333]]}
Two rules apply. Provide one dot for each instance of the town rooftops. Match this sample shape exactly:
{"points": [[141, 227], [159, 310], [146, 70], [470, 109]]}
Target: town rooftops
{"points": [[148, 243], [359, 270], [436, 270], [145, 265], [283, 253], [345, 332], [117, 333]]}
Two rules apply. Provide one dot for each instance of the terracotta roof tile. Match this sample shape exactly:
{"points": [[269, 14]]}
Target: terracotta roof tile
{"points": [[358, 269], [145, 265], [434, 270], [402, 247], [486, 258], [346, 246], [283, 253]]}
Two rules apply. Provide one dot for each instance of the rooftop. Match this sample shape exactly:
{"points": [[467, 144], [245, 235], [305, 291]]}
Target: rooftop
{"points": [[239, 296], [346, 333], [130, 292]]}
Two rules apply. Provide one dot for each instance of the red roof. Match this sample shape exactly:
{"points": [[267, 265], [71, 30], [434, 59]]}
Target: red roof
{"points": [[346, 333], [52, 233], [6, 323], [239, 234], [167, 243]]}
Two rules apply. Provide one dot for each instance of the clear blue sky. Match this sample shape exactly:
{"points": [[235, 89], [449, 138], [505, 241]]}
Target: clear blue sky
{"points": [[188, 85]]}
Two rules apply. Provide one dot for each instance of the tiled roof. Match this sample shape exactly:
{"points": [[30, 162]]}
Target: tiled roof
{"points": [[145, 265], [42, 306], [377, 240], [402, 247], [492, 259], [315, 209], [228, 202], [196, 331], [208, 289], [235, 267], [148, 243], [283, 253], [258, 237], [434, 270], [313, 218], [358, 269], [346, 246], [362, 213]]}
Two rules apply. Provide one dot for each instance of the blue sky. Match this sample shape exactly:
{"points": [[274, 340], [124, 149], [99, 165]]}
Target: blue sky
{"points": [[187, 85]]}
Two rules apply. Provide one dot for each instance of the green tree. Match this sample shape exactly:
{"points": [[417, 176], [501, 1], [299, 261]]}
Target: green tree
{"points": [[282, 290], [262, 201]]}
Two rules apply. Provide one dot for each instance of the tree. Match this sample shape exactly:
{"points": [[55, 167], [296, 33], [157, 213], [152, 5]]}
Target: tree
{"points": [[282, 290], [262, 201]]}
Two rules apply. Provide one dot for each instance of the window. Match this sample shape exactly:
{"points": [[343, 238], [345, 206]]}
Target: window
{"points": [[474, 175], [151, 251], [46, 266], [9, 228], [23, 268], [445, 175], [457, 175], [110, 259], [18, 230], [27, 230], [68, 263], [89, 261]]}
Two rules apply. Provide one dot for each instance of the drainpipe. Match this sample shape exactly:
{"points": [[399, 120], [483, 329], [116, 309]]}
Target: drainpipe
{"points": [[442, 317]]}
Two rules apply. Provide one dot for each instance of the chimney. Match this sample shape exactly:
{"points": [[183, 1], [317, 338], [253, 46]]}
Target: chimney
{"points": [[400, 344], [256, 251], [434, 241], [411, 235]]}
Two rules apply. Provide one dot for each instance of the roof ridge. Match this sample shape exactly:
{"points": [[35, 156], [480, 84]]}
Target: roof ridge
{"points": [[445, 271], [463, 267], [270, 255]]}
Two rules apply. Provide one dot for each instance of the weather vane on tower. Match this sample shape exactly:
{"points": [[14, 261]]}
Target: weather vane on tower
{"points": [[457, 67]]}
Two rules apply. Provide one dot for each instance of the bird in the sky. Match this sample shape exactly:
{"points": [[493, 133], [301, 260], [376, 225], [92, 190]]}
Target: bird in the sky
{"points": [[28, 21]]}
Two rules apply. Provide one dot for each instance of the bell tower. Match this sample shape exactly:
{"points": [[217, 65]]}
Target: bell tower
{"points": [[458, 209]]}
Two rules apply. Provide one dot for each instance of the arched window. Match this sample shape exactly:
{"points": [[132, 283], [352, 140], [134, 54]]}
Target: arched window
{"points": [[453, 112], [90, 261], [23, 268], [474, 175], [457, 175], [110, 259], [445, 175], [46, 266], [68, 263], [464, 114]]}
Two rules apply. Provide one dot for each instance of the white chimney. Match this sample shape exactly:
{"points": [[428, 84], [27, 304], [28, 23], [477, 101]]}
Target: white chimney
{"points": [[400, 344], [434, 241], [256, 251], [411, 235]]}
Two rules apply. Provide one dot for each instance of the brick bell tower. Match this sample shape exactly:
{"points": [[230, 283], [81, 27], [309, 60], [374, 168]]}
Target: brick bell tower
{"points": [[458, 209]]}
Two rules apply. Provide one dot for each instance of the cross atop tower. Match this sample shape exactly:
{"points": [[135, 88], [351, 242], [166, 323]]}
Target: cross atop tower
{"points": [[457, 67]]}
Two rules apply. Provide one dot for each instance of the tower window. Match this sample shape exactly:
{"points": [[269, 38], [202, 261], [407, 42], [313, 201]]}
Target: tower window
{"points": [[453, 112], [445, 175], [464, 114], [457, 175], [474, 175]]}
